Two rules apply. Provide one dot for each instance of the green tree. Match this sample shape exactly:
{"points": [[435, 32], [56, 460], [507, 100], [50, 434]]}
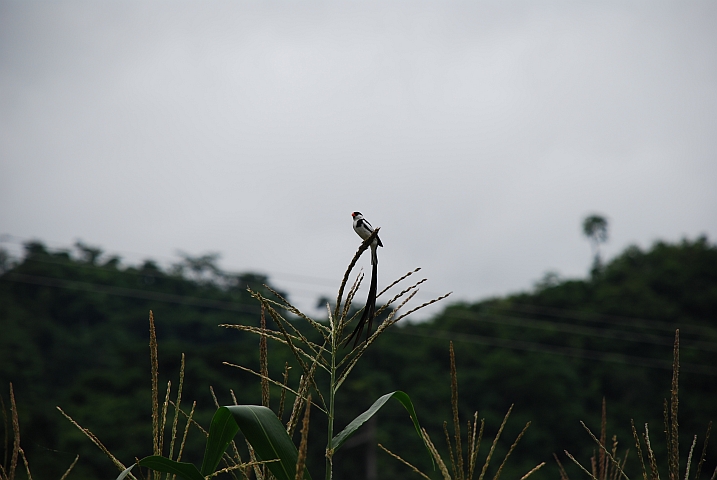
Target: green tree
{"points": [[595, 229], [74, 333]]}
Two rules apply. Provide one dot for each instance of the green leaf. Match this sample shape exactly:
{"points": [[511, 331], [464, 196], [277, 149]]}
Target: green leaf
{"points": [[187, 471], [267, 435], [402, 397], [221, 432]]}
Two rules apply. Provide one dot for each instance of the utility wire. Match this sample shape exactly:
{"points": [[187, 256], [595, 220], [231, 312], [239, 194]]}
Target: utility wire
{"points": [[465, 315], [552, 349], [547, 325], [233, 306], [606, 318], [486, 340], [136, 269], [462, 314], [129, 292], [590, 317], [417, 331]]}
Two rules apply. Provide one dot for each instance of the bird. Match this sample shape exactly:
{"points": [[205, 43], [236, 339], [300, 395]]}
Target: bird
{"points": [[364, 230]]}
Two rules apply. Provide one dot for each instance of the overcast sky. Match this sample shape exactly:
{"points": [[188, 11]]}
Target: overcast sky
{"points": [[476, 135]]}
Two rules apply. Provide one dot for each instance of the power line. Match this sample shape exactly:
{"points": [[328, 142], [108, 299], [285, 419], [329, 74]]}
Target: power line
{"points": [[316, 290], [551, 349], [621, 321], [504, 319], [281, 277], [129, 292], [233, 306], [417, 331], [584, 316], [134, 270], [547, 325], [534, 323], [606, 318]]}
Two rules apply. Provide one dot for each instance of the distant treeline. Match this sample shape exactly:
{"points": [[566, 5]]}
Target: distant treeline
{"points": [[74, 333]]}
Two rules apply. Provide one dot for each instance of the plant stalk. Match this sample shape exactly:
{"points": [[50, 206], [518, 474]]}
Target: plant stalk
{"points": [[332, 394]]}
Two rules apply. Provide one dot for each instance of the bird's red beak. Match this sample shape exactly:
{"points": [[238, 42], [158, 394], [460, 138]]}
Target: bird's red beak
{"points": [[352, 214]]}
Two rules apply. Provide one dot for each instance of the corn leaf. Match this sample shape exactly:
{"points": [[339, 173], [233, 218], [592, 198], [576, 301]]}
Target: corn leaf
{"points": [[402, 397], [221, 432], [267, 435]]}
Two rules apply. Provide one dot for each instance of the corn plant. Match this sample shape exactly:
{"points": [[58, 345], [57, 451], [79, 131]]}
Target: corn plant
{"points": [[271, 449], [463, 464], [8, 467], [608, 466]]}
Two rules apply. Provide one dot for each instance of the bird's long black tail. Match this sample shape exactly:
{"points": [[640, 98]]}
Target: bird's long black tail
{"points": [[369, 310]]}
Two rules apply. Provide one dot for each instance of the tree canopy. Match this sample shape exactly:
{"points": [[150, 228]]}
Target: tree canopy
{"points": [[74, 334]]}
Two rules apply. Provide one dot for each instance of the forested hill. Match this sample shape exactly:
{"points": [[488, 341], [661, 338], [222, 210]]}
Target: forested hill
{"points": [[74, 334]]}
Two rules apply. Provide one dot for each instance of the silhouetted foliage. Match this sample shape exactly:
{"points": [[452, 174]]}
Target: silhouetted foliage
{"points": [[595, 228], [74, 333]]}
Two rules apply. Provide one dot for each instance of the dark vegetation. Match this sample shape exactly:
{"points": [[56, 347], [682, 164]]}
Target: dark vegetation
{"points": [[74, 333]]}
